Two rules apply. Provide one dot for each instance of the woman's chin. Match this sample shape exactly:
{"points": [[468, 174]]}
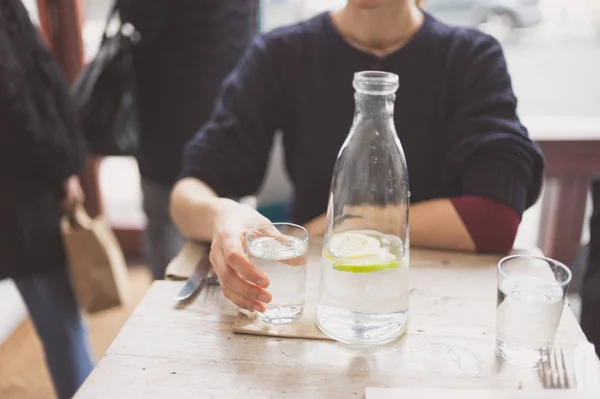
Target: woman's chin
{"points": [[372, 4]]}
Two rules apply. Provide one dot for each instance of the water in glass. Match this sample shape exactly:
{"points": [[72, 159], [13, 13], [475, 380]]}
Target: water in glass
{"points": [[283, 260], [529, 309]]}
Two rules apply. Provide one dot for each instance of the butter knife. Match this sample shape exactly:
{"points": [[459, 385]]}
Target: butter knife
{"points": [[196, 281]]}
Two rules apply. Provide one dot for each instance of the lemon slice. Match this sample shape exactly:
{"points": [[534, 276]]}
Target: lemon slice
{"points": [[353, 245], [368, 264], [359, 253]]}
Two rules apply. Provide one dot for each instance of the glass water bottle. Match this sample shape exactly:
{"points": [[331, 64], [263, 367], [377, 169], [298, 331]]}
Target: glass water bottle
{"points": [[363, 294]]}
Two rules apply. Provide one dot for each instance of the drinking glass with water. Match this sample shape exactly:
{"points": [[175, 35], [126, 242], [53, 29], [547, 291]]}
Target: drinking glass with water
{"points": [[531, 296], [279, 250]]}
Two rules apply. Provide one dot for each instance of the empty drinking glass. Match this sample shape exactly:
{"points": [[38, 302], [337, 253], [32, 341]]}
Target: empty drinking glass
{"points": [[531, 295], [279, 250]]}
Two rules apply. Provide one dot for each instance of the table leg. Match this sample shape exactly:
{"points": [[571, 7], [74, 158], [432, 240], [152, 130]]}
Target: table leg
{"points": [[563, 212]]}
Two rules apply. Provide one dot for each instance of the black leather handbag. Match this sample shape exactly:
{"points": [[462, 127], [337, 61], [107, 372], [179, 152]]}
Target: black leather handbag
{"points": [[106, 95]]}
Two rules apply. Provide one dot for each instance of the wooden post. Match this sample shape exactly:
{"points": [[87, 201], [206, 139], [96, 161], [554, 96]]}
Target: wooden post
{"points": [[60, 21]]}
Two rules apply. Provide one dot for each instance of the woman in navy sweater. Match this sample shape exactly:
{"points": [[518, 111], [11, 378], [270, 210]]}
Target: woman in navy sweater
{"points": [[473, 169]]}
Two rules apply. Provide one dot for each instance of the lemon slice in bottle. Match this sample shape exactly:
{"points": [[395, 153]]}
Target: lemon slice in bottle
{"points": [[368, 264], [359, 253]]}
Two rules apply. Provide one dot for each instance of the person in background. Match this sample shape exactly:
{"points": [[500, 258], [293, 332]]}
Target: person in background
{"points": [[590, 290], [473, 169], [187, 49], [41, 152]]}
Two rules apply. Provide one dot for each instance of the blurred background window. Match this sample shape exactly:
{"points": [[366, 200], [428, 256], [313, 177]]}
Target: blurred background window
{"points": [[94, 17], [32, 8]]}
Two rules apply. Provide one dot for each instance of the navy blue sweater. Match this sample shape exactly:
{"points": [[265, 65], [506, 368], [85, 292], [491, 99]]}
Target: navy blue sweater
{"points": [[455, 114]]}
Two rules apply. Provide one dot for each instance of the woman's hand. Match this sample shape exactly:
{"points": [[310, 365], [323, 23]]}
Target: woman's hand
{"points": [[74, 194], [241, 282]]}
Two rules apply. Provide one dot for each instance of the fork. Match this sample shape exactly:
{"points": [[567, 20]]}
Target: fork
{"points": [[553, 374], [212, 279]]}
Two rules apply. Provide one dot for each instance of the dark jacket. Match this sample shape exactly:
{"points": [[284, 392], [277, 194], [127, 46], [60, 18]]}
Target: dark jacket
{"points": [[40, 147], [590, 292], [187, 49]]}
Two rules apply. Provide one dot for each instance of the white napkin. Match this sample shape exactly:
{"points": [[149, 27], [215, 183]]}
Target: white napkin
{"points": [[587, 371], [400, 393], [184, 264]]}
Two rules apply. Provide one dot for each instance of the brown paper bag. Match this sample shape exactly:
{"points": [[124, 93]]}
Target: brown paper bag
{"points": [[97, 268]]}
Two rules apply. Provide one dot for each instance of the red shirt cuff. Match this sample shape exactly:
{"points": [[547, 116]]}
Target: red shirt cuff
{"points": [[492, 226]]}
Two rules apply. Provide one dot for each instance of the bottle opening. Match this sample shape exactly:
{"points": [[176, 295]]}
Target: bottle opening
{"points": [[375, 82]]}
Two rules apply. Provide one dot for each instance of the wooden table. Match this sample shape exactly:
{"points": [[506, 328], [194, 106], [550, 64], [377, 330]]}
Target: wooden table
{"points": [[571, 146], [169, 352]]}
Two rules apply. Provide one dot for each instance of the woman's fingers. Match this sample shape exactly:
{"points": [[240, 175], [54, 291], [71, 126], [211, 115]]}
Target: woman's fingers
{"points": [[238, 290], [67, 204], [74, 194], [80, 195], [233, 252], [242, 301], [231, 279]]}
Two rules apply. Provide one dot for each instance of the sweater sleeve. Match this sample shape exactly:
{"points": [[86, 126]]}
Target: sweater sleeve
{"points": [[492, 226], [231, 151], [39, 127], [489, 153]]}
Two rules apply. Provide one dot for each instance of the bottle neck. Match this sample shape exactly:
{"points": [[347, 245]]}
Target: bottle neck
{"points": [[374, 106]]}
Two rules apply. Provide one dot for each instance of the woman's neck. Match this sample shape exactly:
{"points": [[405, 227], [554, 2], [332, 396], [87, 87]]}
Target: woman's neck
{"points": [[381, 30]]}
